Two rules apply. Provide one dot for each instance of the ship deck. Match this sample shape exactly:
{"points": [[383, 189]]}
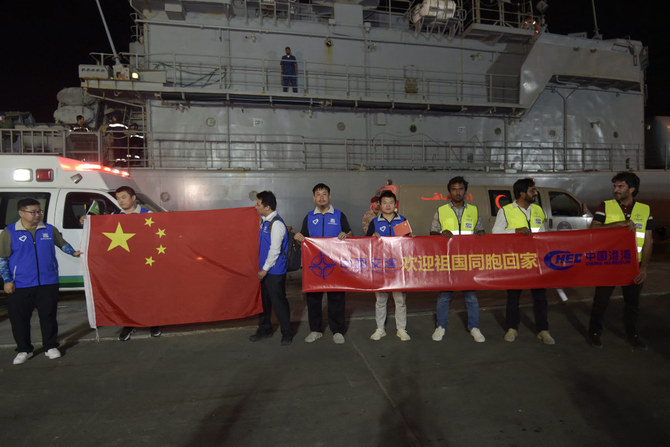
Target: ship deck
{"points": [[207, 384]]}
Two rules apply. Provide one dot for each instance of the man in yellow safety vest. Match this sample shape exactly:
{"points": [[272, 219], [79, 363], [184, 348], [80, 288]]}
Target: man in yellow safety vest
{"points": [[624, 211], [525, 217]]}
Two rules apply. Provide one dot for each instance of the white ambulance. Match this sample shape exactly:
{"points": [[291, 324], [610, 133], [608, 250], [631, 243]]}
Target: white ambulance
{"points": [[67, 189]]}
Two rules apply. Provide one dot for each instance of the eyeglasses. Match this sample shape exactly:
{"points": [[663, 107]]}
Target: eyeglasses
{"points": [[34, 213]]}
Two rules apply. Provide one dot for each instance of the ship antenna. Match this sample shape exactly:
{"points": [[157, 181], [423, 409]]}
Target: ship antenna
{"points": [[597, 34], [109, 36]]}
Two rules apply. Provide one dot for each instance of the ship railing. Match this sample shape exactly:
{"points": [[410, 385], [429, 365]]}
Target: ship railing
{"points": [[403, 84], [173, 150], [498, 13], [391, 15]]}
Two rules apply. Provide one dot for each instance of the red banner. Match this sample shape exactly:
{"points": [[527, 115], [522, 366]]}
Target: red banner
{"points": [[496, 261], [171, 268]]}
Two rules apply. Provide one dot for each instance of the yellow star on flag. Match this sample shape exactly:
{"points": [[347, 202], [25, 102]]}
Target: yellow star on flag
{"points": [[160, 232], [150, 261], [119, 238], [149, 222], [161, 249]]}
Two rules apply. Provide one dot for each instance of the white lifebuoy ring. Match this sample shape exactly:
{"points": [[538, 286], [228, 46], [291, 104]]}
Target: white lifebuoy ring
{"points": [[532, 23]]}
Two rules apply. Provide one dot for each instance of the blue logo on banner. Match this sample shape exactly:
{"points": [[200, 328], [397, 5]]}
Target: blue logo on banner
{"points": [[322, 266], [562, 260]]}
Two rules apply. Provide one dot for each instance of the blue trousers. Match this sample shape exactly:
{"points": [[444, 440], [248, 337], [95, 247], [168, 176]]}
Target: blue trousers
{"points": [[471, 305]]}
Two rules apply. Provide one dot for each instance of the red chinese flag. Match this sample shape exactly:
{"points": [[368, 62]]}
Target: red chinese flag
{"points": [[160, 269]]}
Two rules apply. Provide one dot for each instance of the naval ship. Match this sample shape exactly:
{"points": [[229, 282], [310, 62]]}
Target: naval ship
{"points": [[412, 92]]}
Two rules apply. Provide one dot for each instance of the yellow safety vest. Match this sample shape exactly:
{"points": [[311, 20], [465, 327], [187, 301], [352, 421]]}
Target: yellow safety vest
{"points": [[517, 218], [639, 215], [449, 220]]}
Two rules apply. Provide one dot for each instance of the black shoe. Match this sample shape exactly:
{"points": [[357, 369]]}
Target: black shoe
{"points": [[156, 331], [286, 340], [126, 332], [259, 336], [594, 340], [636, 342]]}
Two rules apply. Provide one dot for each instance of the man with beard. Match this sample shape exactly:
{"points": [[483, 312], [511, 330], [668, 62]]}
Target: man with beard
{"points": [[624, 211], [525, 217], [457, 218]]}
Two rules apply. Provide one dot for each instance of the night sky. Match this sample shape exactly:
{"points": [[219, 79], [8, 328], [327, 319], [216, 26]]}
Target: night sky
{"points": [[44, 41]]}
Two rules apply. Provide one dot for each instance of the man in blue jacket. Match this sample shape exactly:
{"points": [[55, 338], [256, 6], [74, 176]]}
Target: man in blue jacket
{"points": [[29, 271], [325, 221], [272, 248]]}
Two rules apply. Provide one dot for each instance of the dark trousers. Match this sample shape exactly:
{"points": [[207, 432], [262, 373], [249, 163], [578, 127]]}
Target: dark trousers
{"points": [[273, 292], [20, 305], [631, 302], [291, 80], [335, 311], [513, 316]]}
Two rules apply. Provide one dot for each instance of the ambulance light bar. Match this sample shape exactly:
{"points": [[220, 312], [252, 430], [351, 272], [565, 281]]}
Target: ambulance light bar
{"points": [[68, 164]]}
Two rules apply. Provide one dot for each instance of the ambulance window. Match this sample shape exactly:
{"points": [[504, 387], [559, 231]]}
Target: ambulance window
{"points": [[8, 201], [499, 198], [563, 205], [78, 204]]}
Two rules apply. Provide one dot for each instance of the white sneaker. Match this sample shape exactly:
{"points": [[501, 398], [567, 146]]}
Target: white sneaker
{"points": [[21, 357], [439, 333], [403, 335], [477, 335], [378, 334], [313, 336], [53, 353], [338, 338]]}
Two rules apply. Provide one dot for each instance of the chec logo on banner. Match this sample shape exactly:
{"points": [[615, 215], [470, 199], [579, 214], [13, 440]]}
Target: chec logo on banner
{"points": [[322, 266], [562, 260]]}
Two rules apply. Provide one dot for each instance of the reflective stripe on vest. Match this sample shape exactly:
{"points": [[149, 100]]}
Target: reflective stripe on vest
{"points": [[517, 218], [639, 215], [449, 219]]}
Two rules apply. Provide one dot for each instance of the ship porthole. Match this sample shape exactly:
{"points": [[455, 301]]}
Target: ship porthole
{"points": [[341, 126], [412, 128]]}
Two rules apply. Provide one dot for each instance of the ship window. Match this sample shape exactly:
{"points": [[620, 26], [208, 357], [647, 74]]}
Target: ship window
{"points": [[8, 201], [563, 205]]}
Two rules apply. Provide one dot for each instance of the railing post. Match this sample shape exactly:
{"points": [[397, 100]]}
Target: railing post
{"points": [[346, 154]]}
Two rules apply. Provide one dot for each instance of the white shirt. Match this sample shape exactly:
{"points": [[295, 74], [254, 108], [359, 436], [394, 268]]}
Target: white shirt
{"points": [[276, 238], [500, 226]]}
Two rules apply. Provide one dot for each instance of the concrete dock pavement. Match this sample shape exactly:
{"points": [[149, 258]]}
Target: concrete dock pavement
{"points": [[207, 385]]}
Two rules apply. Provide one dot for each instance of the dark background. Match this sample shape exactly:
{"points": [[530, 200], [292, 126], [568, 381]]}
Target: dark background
{"points": [[43, 42]]}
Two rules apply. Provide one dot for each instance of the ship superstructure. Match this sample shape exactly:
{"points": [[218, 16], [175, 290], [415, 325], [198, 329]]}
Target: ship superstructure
{"points": [[384, 89]]}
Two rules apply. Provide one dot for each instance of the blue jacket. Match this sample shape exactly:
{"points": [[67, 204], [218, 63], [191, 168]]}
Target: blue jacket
{"points": [[264, 241], [33, 260], [383, 227], [324, 225]]}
